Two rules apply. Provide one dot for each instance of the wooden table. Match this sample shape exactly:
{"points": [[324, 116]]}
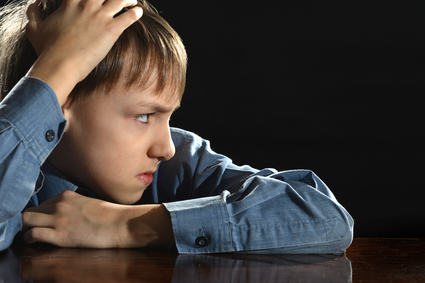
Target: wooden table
{"points": [[367, 260]]}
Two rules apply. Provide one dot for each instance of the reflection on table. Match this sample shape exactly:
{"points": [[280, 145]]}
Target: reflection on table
{"points": [[41, 263]]}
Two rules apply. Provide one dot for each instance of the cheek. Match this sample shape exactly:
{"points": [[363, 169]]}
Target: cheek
{"points": [[107, 144], [90, 142], [113, 146]]}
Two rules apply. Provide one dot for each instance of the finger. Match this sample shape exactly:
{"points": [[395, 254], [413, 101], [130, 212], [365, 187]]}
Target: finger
{"points": [[112, 7], [40, 234], [36, 219], [129, 17], [46, 208]]}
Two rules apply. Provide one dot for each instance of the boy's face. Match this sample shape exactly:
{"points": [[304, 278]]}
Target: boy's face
{"points": [[114, 142]]}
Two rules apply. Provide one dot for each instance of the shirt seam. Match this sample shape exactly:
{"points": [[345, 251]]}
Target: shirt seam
{"points": [[223, 206], [236, 226]]}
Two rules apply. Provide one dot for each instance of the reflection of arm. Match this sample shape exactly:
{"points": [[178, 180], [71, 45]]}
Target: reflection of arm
{"points": [[262, 268], [24, 148], [50, 264], [242, 209], [10, 268]]}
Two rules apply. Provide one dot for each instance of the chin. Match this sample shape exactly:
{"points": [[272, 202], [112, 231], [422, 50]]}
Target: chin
{"points": [[127, 200]]}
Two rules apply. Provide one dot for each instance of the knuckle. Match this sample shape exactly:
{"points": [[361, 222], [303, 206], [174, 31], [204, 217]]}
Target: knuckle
{"points": [[89, 5], [67, 193], [60, 207]]}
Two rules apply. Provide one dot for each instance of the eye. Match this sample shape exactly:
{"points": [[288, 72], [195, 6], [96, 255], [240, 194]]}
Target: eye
{"points": [[143, 118]]}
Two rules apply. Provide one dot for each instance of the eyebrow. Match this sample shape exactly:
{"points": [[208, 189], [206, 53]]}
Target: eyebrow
{"points": [[156, 107]]}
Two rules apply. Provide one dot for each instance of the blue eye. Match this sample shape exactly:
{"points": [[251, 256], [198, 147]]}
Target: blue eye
{"points": [[143, 118]]}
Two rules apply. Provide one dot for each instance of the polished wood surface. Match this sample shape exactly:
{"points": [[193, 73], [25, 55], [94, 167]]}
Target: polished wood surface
{"points": [[367, 260], [387, 260]]}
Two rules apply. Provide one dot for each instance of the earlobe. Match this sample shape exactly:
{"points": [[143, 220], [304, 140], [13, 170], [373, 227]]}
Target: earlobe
{"points": [[66, 105], [66, 114]]}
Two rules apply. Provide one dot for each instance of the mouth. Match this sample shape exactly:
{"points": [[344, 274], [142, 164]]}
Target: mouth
{"points": [[147, 177]]}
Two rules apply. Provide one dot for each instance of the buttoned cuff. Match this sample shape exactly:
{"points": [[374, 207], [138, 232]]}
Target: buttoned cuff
{"points": [[33, 108], [201, 225]]}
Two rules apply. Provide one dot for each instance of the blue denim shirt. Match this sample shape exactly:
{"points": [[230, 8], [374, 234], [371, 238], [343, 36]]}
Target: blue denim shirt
{"points": [[215, 206]]}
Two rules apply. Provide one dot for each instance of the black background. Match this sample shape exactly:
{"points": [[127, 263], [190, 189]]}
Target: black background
{"points": [[331, 86]]}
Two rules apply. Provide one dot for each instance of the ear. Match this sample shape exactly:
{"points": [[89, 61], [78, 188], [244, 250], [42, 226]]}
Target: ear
{"points": [[66, 105]]}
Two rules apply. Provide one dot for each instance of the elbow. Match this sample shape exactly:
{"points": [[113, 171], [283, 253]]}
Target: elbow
{"points": [[344, 242], [341, 234], [348, 237]]}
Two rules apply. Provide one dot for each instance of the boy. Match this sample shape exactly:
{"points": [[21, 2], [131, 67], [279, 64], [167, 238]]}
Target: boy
{"points": [[88, 158]]}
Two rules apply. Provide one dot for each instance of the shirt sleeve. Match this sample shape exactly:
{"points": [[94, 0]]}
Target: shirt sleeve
{"points": [[31, 124], [217, 207]]}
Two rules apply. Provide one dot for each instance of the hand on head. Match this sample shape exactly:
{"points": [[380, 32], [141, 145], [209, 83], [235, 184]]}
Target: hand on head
{"points": [[76, 37]]}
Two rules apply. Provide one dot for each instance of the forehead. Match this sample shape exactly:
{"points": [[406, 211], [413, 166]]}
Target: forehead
{"points": [[147, 97]]}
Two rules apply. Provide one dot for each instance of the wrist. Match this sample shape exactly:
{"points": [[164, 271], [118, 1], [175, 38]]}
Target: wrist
{"points": [[59, 74], [145, 226]]}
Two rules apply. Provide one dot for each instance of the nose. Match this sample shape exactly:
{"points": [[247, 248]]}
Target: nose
{"points": [[162, 147]]}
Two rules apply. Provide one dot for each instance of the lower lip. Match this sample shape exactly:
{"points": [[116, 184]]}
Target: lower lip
{"points": [[145, 178]]}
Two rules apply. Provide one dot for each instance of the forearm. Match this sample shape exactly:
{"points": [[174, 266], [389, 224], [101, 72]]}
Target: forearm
{"points": [[53, 71], [272, 217], [73, 220]]}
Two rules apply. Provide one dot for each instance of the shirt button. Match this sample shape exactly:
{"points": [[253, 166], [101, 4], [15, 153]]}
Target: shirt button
{"points": [[202, 241], [50, 135]]}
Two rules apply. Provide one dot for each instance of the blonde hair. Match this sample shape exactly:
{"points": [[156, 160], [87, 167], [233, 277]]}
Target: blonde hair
{"points": [[149, 47]]}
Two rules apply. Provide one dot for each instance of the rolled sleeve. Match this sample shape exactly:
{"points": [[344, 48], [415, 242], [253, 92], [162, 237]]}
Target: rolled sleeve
{"points": [[31, 125]]}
